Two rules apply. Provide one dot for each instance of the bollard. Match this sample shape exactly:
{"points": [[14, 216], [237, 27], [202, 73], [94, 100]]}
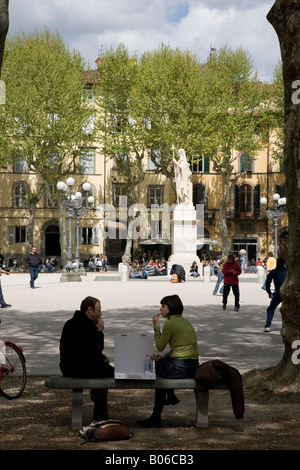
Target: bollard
{"points": [[206, 277], [119, 268], [124, 273], [260, 274]]}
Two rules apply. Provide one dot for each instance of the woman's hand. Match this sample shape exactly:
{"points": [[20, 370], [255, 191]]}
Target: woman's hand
{"points": [[155, 319], [156, 357]]}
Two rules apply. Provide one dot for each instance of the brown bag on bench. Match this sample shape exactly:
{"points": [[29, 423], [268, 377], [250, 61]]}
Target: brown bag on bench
{"points": [[106, 430]]}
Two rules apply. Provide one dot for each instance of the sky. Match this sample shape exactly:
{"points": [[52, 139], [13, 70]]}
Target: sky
{"points": [[92, 26]]}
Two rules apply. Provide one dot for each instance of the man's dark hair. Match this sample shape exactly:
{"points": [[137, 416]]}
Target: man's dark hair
{"points": [[88, 302], [280, 262], [174, 304]]}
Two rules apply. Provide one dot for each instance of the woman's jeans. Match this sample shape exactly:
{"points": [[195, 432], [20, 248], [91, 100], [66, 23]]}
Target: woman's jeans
{"points": [[172, 368], [220, 279]]}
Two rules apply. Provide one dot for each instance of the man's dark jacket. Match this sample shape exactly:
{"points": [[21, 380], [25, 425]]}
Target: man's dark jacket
{"points": [[215, 372], [277, 275], [33, 260], [81, 349]]}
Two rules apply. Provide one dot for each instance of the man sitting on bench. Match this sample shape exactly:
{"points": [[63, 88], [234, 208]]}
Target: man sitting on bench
{"points": [[81, 351]]}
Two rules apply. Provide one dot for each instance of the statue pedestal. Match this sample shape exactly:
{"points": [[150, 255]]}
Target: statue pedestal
{"points": [[184, 238]]}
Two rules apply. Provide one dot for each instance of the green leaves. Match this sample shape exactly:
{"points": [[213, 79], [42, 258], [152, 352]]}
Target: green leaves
{"points": [[44, 115]]}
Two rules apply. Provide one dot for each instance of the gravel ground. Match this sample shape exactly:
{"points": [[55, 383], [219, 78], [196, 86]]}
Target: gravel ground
{"points": [[40, 420]]}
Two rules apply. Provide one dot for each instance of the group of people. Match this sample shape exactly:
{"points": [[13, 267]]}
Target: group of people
{"points": [[48, 266], [100, 263], [229, 270], [146, 268], [86, 328]]}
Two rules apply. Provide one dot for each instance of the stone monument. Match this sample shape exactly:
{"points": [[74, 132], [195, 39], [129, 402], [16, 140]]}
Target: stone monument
{"points": [[184, 223]]}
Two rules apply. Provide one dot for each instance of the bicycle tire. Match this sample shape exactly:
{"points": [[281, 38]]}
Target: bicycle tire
{"points": [[13, 373]]}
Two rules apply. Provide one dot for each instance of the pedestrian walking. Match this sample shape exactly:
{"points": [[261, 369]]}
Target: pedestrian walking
{"points": [[270, 265], [276, 275], [219, 265], [231, 271], [33, 260]]}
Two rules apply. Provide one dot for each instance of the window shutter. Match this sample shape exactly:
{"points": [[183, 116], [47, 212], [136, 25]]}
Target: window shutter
{"points": [[11, 234], [256, 201], [237, 201], [206, 165]]}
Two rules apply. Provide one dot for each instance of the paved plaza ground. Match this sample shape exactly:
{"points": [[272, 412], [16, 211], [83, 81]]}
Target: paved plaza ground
{"points": [[40, 418], [37, 316]]}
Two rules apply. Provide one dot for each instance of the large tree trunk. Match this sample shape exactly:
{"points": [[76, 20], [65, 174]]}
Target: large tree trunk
{"points": [[4, 21], [223, 213], [285, 18]]}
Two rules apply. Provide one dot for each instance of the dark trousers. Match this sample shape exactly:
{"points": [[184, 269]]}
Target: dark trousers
{"points": [[236, 293], [172, 368], [276, 300]]}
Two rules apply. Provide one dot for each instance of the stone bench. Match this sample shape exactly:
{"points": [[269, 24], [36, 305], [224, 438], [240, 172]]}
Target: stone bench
{"points": [[77, 385]]}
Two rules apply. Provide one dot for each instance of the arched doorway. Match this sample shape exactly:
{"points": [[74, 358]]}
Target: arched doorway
{"points": [[52, 245], [116, 239]]}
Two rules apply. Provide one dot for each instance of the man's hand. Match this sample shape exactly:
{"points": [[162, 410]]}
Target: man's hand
{"points": [[100, 324]]}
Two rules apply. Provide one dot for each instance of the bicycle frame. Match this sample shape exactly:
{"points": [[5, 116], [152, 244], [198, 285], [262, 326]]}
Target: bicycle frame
{"points": [[5, 371]]}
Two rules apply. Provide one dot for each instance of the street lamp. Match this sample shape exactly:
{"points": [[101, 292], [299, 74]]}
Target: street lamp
{"points": [[275, 214], [74, 204]]}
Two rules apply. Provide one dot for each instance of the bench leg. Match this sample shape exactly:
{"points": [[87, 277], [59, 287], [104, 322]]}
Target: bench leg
{"points": [[202, 397], [77, 399]]}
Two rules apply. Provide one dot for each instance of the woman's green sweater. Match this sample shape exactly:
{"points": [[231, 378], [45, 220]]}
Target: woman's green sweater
{"points": [[179, 333]]}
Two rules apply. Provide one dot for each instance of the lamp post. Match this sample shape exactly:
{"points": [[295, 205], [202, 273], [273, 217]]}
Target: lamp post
{"points": [[74, 204], [275, 214]]}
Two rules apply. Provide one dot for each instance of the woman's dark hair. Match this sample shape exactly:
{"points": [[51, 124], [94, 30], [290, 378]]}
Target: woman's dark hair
{"points": [[88, 302], [174, 304]]}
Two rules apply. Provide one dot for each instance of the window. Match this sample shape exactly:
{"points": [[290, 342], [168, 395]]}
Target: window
{"points": [[201, 166], [153, 155], [155, 195], [118, 191], [89, 127], [246, 163], [51, 201], [17, 234], [87, 162], [86, 235], [20, 195], [246, 200], [20, 163]]}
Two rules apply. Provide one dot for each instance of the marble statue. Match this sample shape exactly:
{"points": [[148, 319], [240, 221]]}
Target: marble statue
{"points": [[182, 179]]}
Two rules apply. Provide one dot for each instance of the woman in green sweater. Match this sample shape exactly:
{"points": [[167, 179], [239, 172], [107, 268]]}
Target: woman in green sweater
{"points": [[182, 360]]}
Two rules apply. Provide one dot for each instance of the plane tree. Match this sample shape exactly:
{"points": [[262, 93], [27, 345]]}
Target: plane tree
{"points": [[147, 105], [234, 117], [45, 117], [284, 16]]}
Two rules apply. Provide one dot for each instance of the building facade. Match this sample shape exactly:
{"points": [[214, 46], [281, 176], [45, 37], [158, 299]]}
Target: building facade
{"points": [[247, 223]]}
